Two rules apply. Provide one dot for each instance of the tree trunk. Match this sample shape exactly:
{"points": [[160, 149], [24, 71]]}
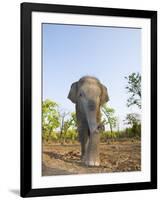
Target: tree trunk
{"points": [[111, 128]]}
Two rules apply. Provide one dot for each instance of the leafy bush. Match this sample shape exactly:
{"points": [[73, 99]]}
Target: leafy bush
{"points": [[45, 135], [53, 136], [135, 131], [110, 135], [71, 134]]}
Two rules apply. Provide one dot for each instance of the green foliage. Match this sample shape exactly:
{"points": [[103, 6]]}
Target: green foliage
{"points": [[110, 135], [68, 123], [133, 120], [61, 127], [71, 122], [72, 134], [50, 117], [133, 132], [108, 116], [45, 136], [134, 89]]}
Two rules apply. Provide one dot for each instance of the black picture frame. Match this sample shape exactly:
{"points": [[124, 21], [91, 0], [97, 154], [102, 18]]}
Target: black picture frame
{"points": [[26, 102]]}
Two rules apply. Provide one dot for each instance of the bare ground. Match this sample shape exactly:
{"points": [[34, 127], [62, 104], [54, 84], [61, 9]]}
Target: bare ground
{"points": [[118, 156]]}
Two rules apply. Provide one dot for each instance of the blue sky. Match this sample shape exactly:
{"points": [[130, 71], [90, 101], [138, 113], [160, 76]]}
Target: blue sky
{"points": [[108, 53]]}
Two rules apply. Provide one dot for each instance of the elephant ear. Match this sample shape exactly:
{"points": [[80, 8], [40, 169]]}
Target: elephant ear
{"points": [[104, 95], [73, 92]]}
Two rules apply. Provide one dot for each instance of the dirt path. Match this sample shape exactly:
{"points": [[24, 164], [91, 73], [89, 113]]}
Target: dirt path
{"points": [[115, 157]]}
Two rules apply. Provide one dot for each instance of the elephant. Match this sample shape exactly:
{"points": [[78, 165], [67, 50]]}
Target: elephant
{"points": [[89, 94]]}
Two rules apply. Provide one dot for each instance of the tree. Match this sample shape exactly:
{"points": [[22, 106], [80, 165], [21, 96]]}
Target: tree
{"points": [[67, 120], [74, 120], [133, 119], [63, 115], [70, 127], [118, 124], [50, 116], [134, 89], [70, 123], [108, 116]]}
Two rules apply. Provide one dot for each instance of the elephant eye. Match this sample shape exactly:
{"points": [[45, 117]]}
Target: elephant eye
{"points": [[81, 94]]}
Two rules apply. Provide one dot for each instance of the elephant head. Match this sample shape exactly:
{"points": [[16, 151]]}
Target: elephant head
{"points": [[89, 94]]}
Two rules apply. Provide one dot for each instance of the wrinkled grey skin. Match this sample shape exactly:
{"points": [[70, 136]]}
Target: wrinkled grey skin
{"points": [[88, 94]]}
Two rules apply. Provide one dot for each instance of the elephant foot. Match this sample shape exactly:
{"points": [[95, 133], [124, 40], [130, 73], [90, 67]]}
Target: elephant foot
{"points": [[92, 163]]}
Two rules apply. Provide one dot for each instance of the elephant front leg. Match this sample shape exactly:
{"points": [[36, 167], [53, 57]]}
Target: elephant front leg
{"points": [[92, 157], [84, 140]]}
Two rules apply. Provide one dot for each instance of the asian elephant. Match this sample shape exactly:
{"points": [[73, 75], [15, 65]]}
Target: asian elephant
{"points": [[89, 95]]}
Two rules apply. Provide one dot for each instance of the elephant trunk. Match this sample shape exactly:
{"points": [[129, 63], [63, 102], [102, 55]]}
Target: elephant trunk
{"points": [[92, 123], [92, 151], [91, 116]]}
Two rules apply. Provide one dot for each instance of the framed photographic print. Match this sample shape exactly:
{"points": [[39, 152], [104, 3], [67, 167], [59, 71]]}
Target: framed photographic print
{"points": [[88, 99]]}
